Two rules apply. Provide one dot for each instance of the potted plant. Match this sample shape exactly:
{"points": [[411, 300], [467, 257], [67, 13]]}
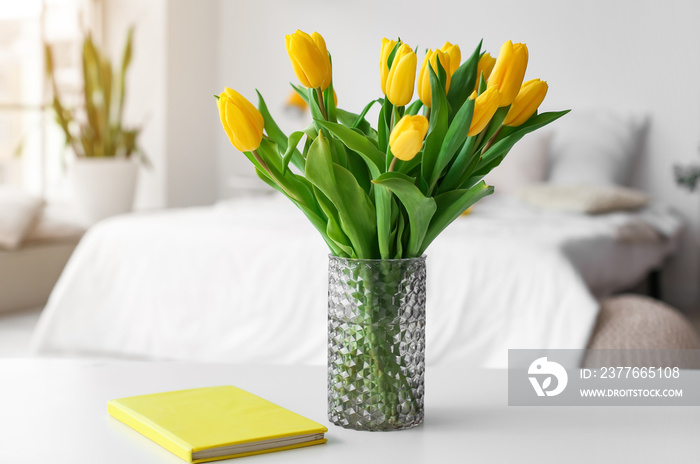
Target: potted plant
{"points": [[380, 196], [103, 172]]}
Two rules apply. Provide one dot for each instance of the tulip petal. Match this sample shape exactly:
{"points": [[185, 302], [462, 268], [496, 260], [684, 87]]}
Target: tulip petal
{"points": [[221, 104], [402, 77], [406, 140], [308, 61], [407, 145], [387, 47]]}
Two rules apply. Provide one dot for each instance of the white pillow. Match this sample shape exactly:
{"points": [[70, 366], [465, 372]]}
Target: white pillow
{"points": [[524, 165], [18, 211], [587, 199], [594, 148]]}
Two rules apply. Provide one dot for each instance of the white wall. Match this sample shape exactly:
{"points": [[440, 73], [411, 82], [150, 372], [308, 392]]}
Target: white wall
{"points": [[631, 55], [170, 87], [192, 117]]}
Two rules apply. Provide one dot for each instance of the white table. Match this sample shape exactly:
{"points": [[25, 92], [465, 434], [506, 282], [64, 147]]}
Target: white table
{"points": [[55, 411]]}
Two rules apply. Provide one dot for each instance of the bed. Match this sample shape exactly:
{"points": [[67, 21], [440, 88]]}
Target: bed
{"points": [[245, 282]]}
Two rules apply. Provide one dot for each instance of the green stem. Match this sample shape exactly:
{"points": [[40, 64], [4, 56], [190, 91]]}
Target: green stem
{"points": [[272, 175], [321, 103], [392, 165], [492, 140]]}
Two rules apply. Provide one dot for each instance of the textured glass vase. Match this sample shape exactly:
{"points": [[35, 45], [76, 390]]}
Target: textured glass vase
{"points": [[376, 343]]}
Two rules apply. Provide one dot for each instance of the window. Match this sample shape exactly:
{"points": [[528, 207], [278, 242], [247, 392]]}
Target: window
{"points": [[31, 144]]}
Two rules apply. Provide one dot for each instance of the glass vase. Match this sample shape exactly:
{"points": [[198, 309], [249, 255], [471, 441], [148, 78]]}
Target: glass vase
{"points": [[376, 342]]}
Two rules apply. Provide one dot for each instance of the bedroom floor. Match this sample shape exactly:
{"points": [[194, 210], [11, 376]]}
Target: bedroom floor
{"points": [[16, 330]]}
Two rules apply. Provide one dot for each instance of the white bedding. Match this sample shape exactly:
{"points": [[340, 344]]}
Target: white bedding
{"points": [[245, 281]]}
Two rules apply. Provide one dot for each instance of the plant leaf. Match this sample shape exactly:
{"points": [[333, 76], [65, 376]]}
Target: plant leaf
{"points": [[510, 136], [437, 128], [420, 208], [357, 143], [276, 135], [464, 80], [454, 138], [414, 107], [450, 205], [292, 142], [355, 210]]}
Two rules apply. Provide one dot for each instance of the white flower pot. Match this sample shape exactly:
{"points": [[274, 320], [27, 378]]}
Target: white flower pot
{"points": [[103, 187]]}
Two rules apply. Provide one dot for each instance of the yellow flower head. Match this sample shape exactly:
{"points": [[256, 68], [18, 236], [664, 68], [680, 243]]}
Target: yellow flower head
{"points": [[424, 75], [527, 101], [242, 122], [455, 56], [509, 71], [295, 100], [387, 47], [485, 66], [402, 76], [406, 139], [485, 107], [309, 58]]}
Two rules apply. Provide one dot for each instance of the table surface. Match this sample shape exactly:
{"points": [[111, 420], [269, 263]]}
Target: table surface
{"points": [[55, 411]]}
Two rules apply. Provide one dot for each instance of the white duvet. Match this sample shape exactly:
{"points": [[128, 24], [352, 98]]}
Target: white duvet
{"points": [[245, 282]]}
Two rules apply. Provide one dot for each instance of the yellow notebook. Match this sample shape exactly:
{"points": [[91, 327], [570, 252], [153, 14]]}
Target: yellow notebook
{"points": [[208, 424]]}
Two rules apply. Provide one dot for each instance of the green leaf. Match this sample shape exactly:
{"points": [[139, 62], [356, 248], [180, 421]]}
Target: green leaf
{"points": [[483, 85], [383, 127], [437, 128], [349, 119], [450, 206], [454, 138], [361, 117], [315, 106], [357, 165], [316, 220], [271, 127], [414, 107], [355, 210], [462, 169], [511, 135], [294, 186], [464, 80], [301, 91], [400, 225], [329, 98], [392, 54], [374, 160], [292, 143], [333, 229], [420, 208], [359, 144]]}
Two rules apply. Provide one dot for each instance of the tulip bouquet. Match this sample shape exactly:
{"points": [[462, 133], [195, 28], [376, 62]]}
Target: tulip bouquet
{"points": [[387, 192]]}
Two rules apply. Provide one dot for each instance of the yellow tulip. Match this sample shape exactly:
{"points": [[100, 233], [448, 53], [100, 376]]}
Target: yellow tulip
{"points": [[485, 66], [402, 76], [455, 56], [387, 47], [242, 122], [295, 100], [485, 107], [309, 58], [529, 98], [406, 139], [424, 75], [509, 71]]}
